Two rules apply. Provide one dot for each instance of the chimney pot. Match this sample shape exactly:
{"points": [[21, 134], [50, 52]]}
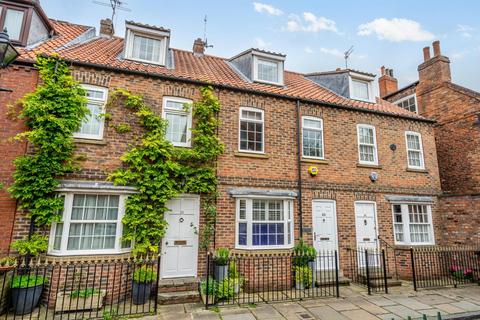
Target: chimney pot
{"points": [[426, 53], [436, 48], [387, 83], [106, 28], [198, 47], [382, 70]]}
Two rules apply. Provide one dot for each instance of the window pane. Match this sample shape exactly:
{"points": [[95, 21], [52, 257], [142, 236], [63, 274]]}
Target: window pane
{"points": [[360, 89], [92, 122], [13, 23], [243, 209], [251, 132], [58, 236], [242, 234], [146, 48], [267, 70], [177, 127], [268, 234], [312, 143], [259, 210], [419, 225]]}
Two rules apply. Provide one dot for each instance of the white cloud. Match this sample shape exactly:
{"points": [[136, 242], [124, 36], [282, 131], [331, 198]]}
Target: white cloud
{"points": [[309, 23], [395, 30], [260, 43], [266, 8], [308, 50], [464, 30]]}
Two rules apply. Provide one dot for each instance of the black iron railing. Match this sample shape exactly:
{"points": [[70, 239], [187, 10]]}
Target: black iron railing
{"points": [[390, 257], [440, 266], [247, 279], [78, 290], [368, 267]]}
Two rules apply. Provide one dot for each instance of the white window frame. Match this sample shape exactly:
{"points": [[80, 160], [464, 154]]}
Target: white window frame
{"points": [[406, 224], [407, 98], [288, 218], [66, 220], [252, 120], [322, 157], [133, 31], [422, 159], [99, 102], [375, 153], [188, 113], [366, 80], [256, 58]]}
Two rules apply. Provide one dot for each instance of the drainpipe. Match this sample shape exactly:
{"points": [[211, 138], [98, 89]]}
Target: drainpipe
{"points": [[299, 166]]}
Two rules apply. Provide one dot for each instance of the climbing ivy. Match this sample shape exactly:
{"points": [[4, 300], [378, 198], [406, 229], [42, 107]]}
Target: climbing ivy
{"points": [[52, 113], [161, 171]]}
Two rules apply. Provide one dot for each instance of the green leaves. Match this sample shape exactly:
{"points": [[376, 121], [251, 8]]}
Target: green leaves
{"points": [[52, 113], [161, 171], [34, 246]]}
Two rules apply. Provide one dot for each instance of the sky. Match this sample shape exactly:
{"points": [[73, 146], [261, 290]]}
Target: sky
{"points": [[313, 34]]}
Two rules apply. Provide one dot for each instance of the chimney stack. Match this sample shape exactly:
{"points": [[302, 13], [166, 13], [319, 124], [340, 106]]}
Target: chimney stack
{"points": [[106, 28], [434, 70], [426, 54], [198, 47], [387, 83], [436, 48]]}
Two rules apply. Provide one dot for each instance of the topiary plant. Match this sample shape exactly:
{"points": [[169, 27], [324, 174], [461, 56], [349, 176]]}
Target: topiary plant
{"points": [[222, 256]]}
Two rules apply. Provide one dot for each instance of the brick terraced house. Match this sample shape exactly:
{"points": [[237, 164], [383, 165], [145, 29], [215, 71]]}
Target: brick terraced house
{"points": [[313, 156], [456, 110]]}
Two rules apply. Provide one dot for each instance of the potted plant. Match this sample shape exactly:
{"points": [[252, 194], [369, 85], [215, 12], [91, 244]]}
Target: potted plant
{"points": [[209, 289], [305, 255], [27, 286], [7, 264], [234, 276], [81, 299], [143, 279], [221, 259], [226, 289], [303, 277]]}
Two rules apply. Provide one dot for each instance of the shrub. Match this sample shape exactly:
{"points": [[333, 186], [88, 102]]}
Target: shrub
{"points": [[222, 256], [34, 246], [303, 274], [303, 253], [144, 275], [233, 270], [27, 281], [212, 287], [226, 288], [84, 293]]}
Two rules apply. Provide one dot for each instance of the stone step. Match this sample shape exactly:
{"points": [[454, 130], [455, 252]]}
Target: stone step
{"points": [[178, 297], [178, 285], [390, 283], [342, 281]]}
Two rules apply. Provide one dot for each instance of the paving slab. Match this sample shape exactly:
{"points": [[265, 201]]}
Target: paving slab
{"points": [[176, 316], [368, 306], [467, 306], [403, 311], [237, 314], [412, 303], [289, 309], [205, 315], [382, 302], [389, 316], [434, 299], [448, 308], [266, 312], [359, 314], [343, 306], [432, 312], [327, 313]]}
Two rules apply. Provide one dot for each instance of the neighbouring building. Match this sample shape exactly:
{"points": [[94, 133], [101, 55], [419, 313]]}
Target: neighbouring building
{"points": [[456, 110], [314, 156]]}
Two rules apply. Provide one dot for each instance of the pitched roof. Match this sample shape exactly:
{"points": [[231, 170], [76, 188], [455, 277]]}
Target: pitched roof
{"points": [[107, 52], [65, 32]]}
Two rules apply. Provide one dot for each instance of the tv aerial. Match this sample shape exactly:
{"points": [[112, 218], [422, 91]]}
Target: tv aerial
{"points": [[347, 55], [114, 5], [205, 41]]}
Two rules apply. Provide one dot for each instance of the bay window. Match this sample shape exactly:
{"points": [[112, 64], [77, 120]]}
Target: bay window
{"points": [[264, 223], [412, 224], [90, 224]]}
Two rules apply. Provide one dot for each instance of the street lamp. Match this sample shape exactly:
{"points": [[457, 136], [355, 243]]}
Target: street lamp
{"points": [[8, 53]]}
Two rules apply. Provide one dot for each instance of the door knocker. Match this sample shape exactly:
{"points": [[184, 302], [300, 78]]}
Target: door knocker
{"points": [[181, 220]]}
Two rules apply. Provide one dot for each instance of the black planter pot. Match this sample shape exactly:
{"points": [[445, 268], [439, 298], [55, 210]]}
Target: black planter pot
{"points": [[24, 300], [141, 292]]}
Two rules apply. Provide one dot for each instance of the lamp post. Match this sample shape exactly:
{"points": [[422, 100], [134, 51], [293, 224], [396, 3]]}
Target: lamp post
{"points": [[8, 53]]}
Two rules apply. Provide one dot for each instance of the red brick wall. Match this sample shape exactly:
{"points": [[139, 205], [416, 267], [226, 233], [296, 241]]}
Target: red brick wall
{"points": [[20, 80]]}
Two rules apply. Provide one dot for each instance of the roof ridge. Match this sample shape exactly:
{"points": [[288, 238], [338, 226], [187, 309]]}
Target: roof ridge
{"points": [[70, 23], [468, 91]]}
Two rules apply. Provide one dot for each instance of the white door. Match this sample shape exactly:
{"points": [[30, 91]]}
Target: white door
{"points": [[324, 232], [366, 228], [180, 244]]}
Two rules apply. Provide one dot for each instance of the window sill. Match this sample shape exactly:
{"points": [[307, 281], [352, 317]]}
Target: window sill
{"points": [[251, 155], [263, 252], [90, 141], [373, 166], [417, 170], [61, 257], [317, 161], [408, 246]]}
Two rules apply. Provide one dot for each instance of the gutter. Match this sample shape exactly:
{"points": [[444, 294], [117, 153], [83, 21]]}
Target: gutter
{"points": [[299, 166], [233, 88]]}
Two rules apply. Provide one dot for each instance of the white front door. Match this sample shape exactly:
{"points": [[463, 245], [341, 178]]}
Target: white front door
{"points": [[366, 228], [325, 232], [180, 244]]}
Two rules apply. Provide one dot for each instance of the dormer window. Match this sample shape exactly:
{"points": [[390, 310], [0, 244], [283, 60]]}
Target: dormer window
{"points": [[145, 43], [260, 66], [360, 90], [13, 23]]}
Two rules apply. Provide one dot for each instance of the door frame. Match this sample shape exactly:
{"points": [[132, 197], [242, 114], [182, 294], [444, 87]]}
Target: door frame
{"points": [[195, 240], [334, 202], [375, 217]]}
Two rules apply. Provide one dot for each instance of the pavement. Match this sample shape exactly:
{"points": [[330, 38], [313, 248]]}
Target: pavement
{"points": [[354, 304]]}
